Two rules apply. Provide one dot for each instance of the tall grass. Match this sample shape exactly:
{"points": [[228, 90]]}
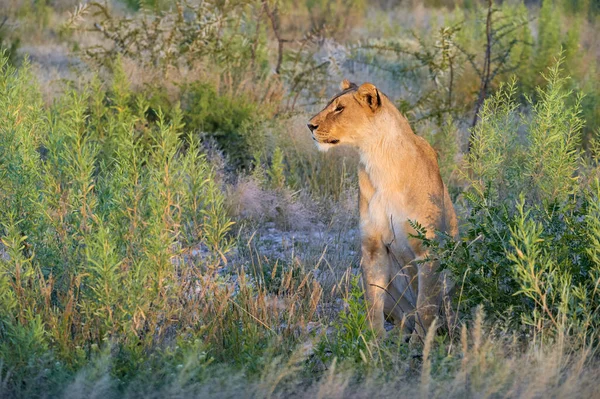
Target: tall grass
{"points": [[98, 205]]}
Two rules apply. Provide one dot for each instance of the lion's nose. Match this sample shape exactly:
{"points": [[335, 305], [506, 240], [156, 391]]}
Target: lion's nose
{"points": [[312, 127]]}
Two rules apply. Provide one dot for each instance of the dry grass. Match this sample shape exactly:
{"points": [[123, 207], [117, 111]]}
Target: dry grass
{"points": [[485, 367]]}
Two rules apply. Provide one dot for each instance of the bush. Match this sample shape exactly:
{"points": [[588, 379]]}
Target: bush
{"points": [[96, 203], [353, 337], [529, 248], [236, 123]]}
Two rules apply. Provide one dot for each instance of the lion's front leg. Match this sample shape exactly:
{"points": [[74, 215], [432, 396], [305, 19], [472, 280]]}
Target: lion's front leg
{"points": [[376, 273], [375, 262]]}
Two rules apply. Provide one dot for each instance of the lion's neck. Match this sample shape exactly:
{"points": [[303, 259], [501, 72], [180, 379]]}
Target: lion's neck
{"points": [[387, 150]]}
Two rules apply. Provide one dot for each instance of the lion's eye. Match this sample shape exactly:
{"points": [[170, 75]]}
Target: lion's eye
{"points": [[339, 108]]}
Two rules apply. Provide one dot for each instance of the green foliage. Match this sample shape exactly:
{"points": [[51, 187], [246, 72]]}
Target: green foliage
{"points": [[492, 141], [548, 42], [236, 123], [277, 170], [136, 5], [523, 50], [554, 133], [259, 174], [94, 213], [445, 142], [353, 337], [527, 252], [560, 36], [8, 45]]}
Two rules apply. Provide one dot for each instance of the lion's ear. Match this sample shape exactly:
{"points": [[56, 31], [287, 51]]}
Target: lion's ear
{"points": [[346, 84], [368, 94]]}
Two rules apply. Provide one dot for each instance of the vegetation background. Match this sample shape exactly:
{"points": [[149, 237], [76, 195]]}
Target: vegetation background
{"points": [[168, 228]]}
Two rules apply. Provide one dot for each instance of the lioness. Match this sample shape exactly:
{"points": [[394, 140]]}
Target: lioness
{"points": [[399, 180]]}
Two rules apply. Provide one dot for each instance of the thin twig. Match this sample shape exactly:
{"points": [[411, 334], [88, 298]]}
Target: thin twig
{"points": [[274, 18], [485, 80]]}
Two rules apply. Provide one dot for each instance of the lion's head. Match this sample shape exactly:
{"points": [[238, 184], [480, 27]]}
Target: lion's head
{"points": [[346, 118]]}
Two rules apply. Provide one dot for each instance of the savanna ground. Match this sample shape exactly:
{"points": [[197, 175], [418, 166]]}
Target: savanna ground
{"points": [[169, 230]]}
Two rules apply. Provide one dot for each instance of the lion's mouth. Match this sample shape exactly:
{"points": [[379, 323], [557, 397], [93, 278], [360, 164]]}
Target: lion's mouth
{"points": [[326, 141]]}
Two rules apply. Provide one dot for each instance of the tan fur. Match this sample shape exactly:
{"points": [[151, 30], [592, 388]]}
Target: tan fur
{"points": [[399, 180]]}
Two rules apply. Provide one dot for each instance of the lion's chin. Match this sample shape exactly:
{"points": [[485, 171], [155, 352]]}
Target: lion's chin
{"points": [[324, 147]]}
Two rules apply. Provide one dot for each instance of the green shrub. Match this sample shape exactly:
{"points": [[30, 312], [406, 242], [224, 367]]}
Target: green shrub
{"points": [[236, 123], [94, 213], [445, 142], [528, 251], [353, 337], [277, 170]]}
